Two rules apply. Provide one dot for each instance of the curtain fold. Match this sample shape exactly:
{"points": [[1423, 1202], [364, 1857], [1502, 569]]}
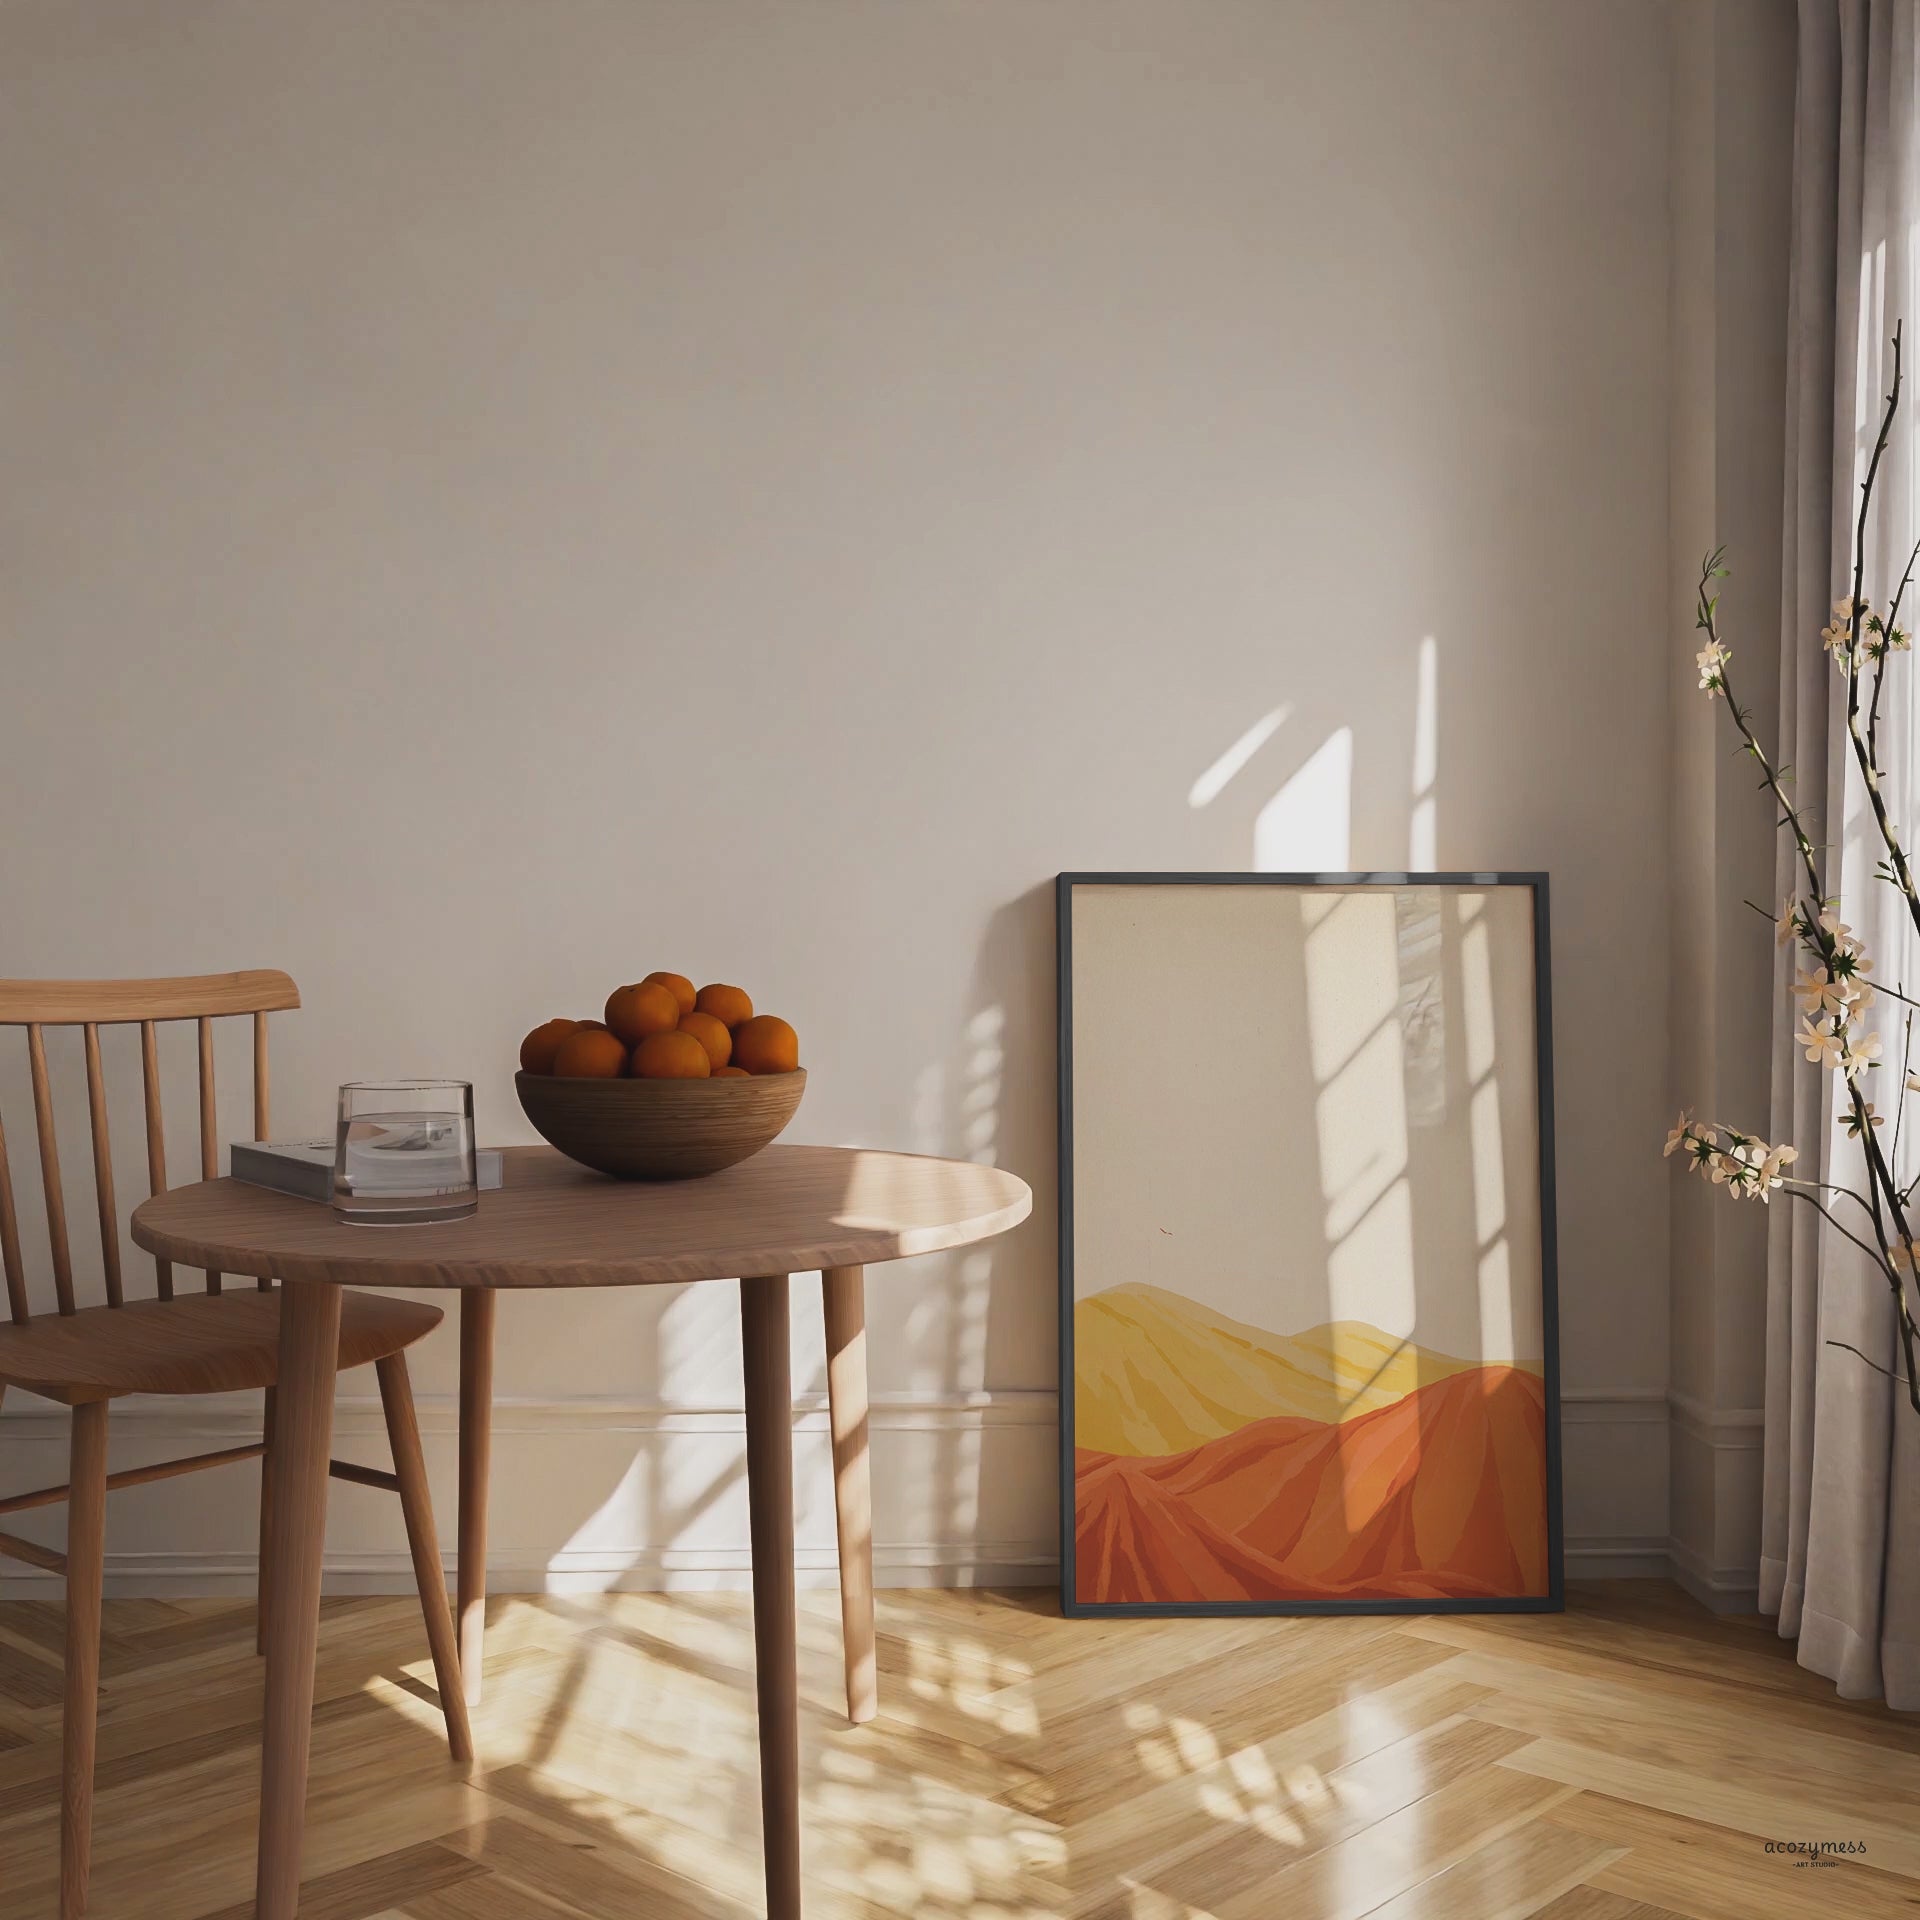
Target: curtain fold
{"points": [[1840, 1538]]}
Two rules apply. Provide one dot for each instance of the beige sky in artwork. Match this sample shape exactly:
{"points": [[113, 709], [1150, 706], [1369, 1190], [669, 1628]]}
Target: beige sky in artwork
{"points": [[1295, 1105]]}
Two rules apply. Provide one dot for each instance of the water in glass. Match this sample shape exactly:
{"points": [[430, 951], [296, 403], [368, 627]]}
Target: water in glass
{"points": [[403, 1155]]}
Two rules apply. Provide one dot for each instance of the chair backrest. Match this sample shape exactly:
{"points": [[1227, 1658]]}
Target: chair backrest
{"points": [[92, 1004]]}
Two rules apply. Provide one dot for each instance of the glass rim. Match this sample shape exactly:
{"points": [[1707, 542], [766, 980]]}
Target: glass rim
{"points": [[401, 1086]]}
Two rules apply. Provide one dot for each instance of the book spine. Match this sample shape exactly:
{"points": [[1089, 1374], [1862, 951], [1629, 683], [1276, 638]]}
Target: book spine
{"points": [[303, 1179]]}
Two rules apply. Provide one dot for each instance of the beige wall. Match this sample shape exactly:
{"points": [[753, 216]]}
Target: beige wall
{"points": [[499, 496]]}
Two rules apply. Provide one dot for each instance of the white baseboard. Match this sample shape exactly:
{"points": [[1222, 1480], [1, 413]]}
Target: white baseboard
{"points": [[227, 1576], [1627, 1559], [229, 1415], [1717, 1461], [667, 1570], [143, 1425], [1719, 1589]]}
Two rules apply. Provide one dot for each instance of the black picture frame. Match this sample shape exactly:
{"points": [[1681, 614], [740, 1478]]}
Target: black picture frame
{"points": [[1554, 1600]]}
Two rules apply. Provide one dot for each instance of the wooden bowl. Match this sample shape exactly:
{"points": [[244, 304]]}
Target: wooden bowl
{"points": [[659, 1129]]}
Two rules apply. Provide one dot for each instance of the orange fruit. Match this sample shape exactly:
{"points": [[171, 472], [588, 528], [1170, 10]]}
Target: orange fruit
{"points": [[537, 1049], [766, 1044], [643, 1008], [671, 1056], [731, 1073], [728, 1005], [680, 986], [590, 1053], [711, 1033]]}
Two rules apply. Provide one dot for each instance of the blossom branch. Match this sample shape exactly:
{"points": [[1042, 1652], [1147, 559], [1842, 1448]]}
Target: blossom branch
{"points": [[1888, 638], [1893, 638], [1827, 937]]}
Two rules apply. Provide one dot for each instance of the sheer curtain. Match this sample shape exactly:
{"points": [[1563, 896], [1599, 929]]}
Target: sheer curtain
{"points": [[1840, 1539]]}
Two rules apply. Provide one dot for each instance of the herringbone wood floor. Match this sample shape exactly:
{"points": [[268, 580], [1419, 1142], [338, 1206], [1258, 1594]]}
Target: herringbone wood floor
{"points": [[1625, 1762]]}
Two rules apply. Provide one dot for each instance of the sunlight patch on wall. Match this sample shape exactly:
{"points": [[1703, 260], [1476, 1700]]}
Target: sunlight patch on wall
{"points": [[1207, 788], [1423, 830], [1307, 827], [986, 1056]]}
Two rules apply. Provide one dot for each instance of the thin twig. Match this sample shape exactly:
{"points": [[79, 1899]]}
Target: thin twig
{"points": [[1874, 1254], [1829, 1186], [1900, 1102], [1886, 647], [1849, 1347]]}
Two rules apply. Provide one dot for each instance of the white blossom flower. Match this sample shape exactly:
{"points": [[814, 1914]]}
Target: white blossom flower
{"points": [[1787, 927], [1712, 660], [1767, 1168], [1841, 933], [1854, 1116], [1845, 996], [1810, 986], [1913, 1083], [1825, 1048], [1859, 1054], [1681, 1135]]}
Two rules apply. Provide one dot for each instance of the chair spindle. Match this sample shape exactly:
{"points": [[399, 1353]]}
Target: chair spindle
{"points": [[209, 1139], [260, 1122], [10, 1243], [259, 1076], [50, 1171], [156, 1142], [103, 1169]]}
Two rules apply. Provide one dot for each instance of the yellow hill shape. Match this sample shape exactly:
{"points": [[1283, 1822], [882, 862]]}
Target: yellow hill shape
{"points": [[1155, 1373]]}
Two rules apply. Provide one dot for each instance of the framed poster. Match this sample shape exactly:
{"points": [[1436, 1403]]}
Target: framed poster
{"points": [[1308, 1331]]}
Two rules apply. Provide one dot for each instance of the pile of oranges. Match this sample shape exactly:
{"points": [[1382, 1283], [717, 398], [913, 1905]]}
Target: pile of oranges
{"points": [[659, 1028]]}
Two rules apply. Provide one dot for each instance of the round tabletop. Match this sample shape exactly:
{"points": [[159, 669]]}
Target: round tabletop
{"points": [[556, 1224]]}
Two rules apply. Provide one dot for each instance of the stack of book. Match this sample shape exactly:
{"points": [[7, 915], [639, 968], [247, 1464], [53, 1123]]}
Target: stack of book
{"points": [[304, 1168]]}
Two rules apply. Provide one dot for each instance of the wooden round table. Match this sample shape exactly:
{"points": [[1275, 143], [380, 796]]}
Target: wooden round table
{"points": [[554, 1224]]}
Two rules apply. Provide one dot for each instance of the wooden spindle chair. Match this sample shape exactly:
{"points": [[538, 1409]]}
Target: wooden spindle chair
{"points": [[176, 1343]]}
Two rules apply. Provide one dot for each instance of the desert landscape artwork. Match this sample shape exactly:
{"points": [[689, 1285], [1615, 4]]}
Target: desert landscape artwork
{"points": [[1308, 1317]]}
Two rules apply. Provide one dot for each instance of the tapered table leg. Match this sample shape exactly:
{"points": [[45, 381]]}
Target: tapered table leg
{"points": [[476, 1455], [423, 1540], [296, 1536], [763, 1329], [844, 1293]]}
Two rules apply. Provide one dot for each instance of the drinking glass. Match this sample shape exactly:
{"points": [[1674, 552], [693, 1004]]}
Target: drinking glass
{"points": [[403, 1152]]}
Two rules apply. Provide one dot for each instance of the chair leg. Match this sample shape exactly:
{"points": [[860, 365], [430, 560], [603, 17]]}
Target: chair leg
{"points": [[410, 1468], [266, 1520], [86, 1554], [476, 1448]]}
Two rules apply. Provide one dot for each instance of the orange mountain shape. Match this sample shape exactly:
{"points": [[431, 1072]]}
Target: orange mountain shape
{"points": [[1155, 1373], [1440, 1495]]}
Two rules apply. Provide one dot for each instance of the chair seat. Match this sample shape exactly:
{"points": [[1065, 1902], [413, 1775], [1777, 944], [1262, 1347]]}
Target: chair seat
{"points": [[193, 1343]]}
